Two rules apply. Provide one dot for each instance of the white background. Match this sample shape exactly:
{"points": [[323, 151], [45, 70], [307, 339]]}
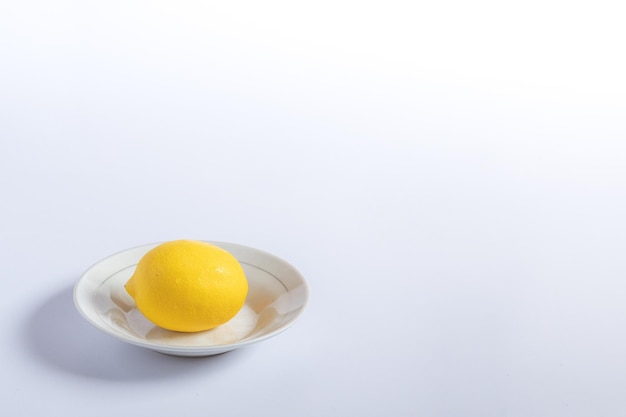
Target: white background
{"points": [[448, 176]]}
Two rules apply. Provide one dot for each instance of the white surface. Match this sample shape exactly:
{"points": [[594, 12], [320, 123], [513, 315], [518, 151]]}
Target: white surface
{"points": [[277, 296], [448, 177]]}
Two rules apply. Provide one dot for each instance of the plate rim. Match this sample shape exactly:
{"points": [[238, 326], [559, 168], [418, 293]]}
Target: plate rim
{"points": [[178, 350]]}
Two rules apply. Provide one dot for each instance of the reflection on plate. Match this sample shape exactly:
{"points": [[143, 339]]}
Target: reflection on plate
{"points": [[277, 295]]}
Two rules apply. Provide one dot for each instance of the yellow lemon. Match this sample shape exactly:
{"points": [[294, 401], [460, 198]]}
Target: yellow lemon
{"points": [[188, 286]]}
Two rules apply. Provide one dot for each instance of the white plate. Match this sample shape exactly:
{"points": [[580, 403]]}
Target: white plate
{"points": [[277, 295]]}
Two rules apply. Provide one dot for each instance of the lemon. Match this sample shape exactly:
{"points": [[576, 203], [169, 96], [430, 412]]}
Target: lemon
{"points": [[188, 286]]}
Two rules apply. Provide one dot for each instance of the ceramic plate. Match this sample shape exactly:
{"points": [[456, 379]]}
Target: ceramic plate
{"points": [[277, 295]]}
